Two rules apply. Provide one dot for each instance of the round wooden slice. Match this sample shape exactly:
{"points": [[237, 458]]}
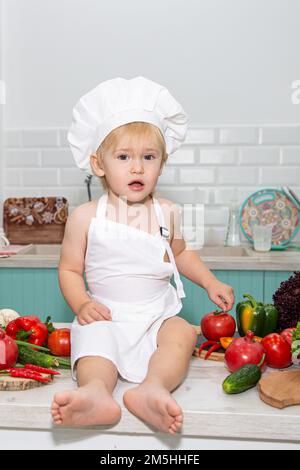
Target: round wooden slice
{"points": [[8, 383], [280, 389]]}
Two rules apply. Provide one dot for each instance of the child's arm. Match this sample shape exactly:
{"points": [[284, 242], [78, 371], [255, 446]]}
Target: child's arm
{"points": [[71, 268], [190, 265]]}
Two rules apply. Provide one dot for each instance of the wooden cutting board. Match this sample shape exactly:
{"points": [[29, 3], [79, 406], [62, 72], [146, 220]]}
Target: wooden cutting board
{"points": [[39, 220], [8, 383], [280, 389]]}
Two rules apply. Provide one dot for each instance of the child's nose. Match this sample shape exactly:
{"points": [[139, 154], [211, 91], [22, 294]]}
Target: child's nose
{"points": [[137, 166]]}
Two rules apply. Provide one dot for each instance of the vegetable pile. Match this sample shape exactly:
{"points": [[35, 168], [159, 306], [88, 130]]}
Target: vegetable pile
{"points": [[35, 346], [268, 336], [287, 301]]}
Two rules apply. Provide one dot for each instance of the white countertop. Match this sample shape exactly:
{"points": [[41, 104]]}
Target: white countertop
{"points": [[208, 411], [242, 258]]}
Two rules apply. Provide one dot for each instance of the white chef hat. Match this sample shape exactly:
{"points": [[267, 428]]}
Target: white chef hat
{"points": [[119, 101]]}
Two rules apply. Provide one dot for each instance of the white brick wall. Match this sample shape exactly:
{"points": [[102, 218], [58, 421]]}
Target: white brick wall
{"points": [[213, 162]]}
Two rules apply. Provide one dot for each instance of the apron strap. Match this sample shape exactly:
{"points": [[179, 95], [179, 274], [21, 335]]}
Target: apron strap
{"points": [[165, 235], [101, 207]]}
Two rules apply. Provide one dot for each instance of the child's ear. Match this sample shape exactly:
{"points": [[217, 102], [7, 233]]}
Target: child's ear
{"points": [[96, 164]]}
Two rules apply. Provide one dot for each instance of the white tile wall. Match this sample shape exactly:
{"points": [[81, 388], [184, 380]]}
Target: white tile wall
{"points": [[258, 156], [287, 135], [212, 164], [238, 135]]}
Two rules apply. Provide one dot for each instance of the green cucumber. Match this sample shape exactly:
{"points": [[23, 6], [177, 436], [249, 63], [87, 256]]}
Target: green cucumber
{"points": [[29, 356], [242, 379]]}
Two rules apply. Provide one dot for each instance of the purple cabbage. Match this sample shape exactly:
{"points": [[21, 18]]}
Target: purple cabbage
{"points": [[287, 301]]}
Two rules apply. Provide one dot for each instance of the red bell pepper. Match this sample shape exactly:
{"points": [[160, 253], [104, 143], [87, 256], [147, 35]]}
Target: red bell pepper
{"points": [[29, 328]]}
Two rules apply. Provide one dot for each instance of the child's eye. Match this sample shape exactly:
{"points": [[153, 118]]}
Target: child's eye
{"points": [[120, 157]]}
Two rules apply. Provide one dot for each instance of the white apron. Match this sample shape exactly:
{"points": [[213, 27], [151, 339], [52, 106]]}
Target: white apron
{"points": [[125, 271]]}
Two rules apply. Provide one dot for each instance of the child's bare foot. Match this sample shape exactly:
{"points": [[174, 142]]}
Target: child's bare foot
{"points": [[154, 404], [88, 405]]}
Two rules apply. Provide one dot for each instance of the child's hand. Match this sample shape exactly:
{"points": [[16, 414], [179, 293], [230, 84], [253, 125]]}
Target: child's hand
{"points": [[91, 311], [221, 294]]}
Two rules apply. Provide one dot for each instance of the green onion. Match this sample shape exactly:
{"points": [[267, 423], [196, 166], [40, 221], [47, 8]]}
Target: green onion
{"points": [[30, 345]]}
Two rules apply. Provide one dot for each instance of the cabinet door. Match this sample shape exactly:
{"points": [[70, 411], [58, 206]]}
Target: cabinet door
{"points": [[272, 281], [196, 303], [33, 291]]}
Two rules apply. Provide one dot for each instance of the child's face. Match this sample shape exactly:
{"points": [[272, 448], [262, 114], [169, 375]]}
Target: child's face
{"points": [[130, 160]]}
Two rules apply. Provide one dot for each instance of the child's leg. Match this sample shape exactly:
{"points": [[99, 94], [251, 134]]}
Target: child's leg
{"points": [[92, 402], [151, 400]]}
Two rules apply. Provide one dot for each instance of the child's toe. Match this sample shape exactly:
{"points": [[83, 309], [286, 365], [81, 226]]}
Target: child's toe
{"points": [[172, 431], [54, 406], [55, 415], [57, 421], [173, 428]]}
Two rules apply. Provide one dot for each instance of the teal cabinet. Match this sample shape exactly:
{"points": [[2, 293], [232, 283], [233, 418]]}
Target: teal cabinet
{"points": [[36, 291]]}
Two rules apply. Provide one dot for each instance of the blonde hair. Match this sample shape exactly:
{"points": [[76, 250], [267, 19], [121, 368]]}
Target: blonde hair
{"points": [[132, 130]]}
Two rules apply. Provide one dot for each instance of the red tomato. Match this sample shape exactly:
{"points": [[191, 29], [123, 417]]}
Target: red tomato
{"points": [[59, 342], [278, 351], [216, 324], [287, 334]]}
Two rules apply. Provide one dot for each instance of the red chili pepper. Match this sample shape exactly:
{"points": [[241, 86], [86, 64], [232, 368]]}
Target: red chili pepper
{"points": [[13, 368], [29, 374], [29, 328], [206, 343], [212, 349], [43, 370]]}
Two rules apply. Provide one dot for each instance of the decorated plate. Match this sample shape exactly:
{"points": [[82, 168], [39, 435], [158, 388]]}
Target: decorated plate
{"points": [[270, 206]]}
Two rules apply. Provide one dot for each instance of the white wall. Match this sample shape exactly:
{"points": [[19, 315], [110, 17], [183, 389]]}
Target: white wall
{"points": [[230, 63], [226, 61]]}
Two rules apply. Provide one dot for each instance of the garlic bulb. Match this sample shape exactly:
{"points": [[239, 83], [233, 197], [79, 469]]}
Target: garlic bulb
{"points": [[7, 315]]}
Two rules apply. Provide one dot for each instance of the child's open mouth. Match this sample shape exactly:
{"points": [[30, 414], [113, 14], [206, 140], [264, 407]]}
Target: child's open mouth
{"points": [[136, 185]]}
